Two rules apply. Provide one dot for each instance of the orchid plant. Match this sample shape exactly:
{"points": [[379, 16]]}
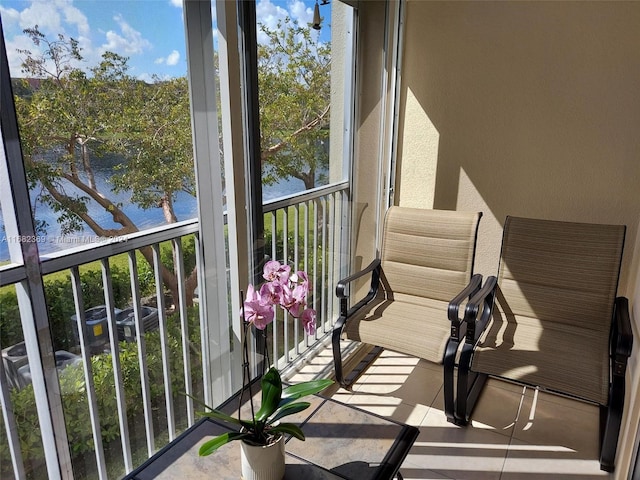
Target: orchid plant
{"points": [[282, 288], [288, 291]]}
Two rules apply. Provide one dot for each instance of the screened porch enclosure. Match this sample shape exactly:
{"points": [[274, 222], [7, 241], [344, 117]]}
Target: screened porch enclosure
{"points": [[111, 344]]}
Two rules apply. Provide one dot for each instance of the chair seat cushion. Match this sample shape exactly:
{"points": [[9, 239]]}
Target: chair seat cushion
{"points": [[411, 325], [541, 353]]}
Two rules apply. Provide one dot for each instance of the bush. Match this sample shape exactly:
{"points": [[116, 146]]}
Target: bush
{"points": [[60, 305], [75, 400]]}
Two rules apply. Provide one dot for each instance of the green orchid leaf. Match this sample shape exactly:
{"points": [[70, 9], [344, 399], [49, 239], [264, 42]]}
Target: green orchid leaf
{"points": [[210, 446], [271, 394], [218, 415], [290, 409], [289, 428], [305, 388], [222, 416]]}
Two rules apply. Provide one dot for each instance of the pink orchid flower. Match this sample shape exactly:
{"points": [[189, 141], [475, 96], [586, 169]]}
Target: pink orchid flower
{"points": [[272, 293], [256, 310], [283, 288], [309, 321], [275, 272], [294, 299]]}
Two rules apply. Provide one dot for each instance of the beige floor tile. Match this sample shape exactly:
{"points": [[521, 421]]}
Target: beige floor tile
{"points": [[397, 356], [496, 410], [416, 473], [504, 384], [390, 407], [431, 366], [515, 433], [412, 385], [562, 400], [338, 393], [537, 462], [552, 424], [462, 453]]}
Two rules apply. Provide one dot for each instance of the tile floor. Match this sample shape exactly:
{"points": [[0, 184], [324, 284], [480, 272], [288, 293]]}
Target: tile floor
{"points": [[517, 433]]}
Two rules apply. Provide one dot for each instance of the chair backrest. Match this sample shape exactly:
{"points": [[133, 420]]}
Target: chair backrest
{"points": [[554, 306], [428, 253], [561, 271]]}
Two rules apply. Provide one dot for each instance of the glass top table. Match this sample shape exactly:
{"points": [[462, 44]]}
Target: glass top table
{"points": [[342, 442]]}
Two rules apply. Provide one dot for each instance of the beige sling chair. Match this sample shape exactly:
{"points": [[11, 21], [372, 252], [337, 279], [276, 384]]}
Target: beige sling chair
{"points": [[551, 319], [423, 275]]}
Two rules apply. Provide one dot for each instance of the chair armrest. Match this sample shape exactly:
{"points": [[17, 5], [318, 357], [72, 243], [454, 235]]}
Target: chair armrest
{"points": [[478, 310], [621, 336], [453, 310], [341, 288]]}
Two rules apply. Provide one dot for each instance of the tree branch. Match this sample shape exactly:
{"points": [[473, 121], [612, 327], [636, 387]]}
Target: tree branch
{"points": [[273, 149]]}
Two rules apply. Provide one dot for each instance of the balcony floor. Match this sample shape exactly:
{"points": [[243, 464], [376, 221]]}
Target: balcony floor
{"points": [[517, 433]]}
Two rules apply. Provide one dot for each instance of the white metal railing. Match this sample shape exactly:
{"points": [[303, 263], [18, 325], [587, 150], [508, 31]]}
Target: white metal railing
{"points": [[158, 365], [311, 242]]}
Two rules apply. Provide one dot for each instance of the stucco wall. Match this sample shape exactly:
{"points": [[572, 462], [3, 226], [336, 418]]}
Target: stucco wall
{"points": [[529, 109]]}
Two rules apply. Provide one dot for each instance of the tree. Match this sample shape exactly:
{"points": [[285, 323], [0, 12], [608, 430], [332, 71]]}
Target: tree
{"points": [[73, 118], [294, 93]]}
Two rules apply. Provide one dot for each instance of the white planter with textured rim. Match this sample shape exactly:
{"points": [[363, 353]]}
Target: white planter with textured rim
{"points": [[264, 462]]}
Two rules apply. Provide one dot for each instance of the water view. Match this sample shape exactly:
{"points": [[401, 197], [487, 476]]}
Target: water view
{"points": [[52, 239]]}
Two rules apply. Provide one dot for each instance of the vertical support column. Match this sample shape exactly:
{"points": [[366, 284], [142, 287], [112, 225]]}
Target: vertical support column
{"points": [[343, 118], [249, 46], [393, 61], [234, 165], [30, 292], [253, 162], [212, 280]]}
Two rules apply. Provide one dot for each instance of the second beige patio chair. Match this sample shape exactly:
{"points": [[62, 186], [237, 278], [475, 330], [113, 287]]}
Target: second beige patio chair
{"points": [[551, 319], [417, 286]]}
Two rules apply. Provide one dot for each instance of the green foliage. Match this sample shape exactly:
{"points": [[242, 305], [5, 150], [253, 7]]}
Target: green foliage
{"points": [[295, 90], [10, 326], [277, 403], [60, 305], [75, 117], [75, 399]]}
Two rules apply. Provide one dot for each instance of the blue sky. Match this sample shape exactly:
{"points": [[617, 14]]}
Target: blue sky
{"points": [[149, 32]]}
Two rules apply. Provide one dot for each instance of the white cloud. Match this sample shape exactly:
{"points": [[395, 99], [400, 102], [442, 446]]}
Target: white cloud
{"points": [[19, 42], [50, 16], [129, 41], [76, 17], [173, 58], [9, 15], [301, 13], [176, 3], [268, 14]]}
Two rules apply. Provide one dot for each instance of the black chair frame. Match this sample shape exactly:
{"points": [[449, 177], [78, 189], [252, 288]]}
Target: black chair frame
{"points": [[458, 326], [477, 314]]}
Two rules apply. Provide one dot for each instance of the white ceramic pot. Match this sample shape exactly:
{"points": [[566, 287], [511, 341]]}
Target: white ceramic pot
{"points": [[263, 462]]}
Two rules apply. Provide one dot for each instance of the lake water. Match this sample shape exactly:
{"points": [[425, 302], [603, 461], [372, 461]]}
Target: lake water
{"points": [[185, 208]]}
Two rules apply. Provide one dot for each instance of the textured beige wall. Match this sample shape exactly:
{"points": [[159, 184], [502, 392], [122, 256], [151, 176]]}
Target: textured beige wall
{"points": [[371, 24], [530, 109], [523, 109]]}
